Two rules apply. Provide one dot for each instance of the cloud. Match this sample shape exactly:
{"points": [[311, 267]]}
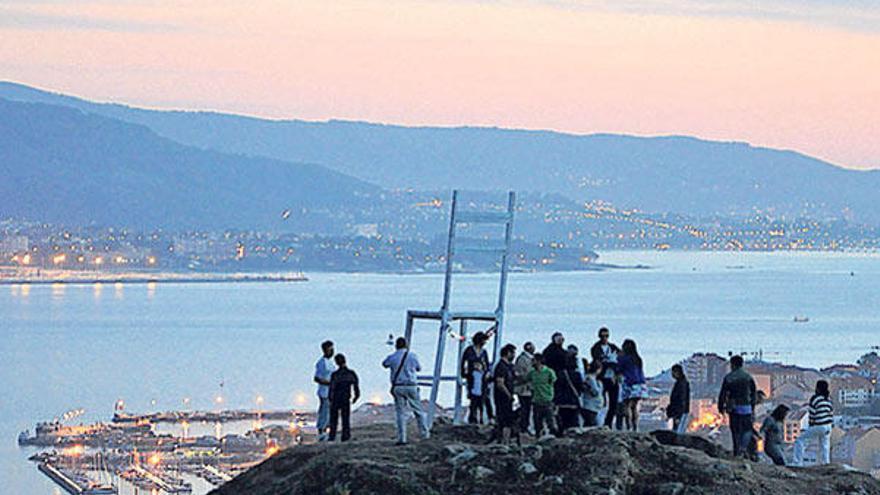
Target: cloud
{"points": [[850, 15], [26, 19]]}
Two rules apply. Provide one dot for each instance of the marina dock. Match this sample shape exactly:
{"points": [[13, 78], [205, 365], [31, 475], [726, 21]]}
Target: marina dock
{"points": [[75, 483], [159, 452]]}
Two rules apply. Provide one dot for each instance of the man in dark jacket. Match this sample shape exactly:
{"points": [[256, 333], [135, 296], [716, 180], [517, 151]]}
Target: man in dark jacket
{"points": [[604, 352], [737, 399], [555, 355], [556, 358], [344, 391], [679, 406], [569, 387]]}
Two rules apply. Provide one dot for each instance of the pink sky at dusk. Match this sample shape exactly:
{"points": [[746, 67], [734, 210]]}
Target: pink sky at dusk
{"points": [[802, 76]]}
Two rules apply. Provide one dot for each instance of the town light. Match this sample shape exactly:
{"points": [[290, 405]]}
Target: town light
{"points": [[73, 451]]}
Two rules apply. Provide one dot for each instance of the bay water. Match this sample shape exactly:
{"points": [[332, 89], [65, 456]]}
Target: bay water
{"points": [[66, 347]]}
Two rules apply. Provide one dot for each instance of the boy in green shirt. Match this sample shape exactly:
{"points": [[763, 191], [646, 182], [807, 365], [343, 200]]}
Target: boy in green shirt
{"points": [[541, 379]]}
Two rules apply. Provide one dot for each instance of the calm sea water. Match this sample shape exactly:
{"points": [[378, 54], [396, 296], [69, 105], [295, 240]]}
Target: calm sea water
{"points": [[66, 347]]}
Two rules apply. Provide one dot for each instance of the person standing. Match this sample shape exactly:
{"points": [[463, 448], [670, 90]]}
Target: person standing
{"points": [[542, 380], [592, 400], [772, 429], [632, 383], [522, 388], [821, 419], [679, 406], [404, 366], [606, 353], [737, 399], [503, 394], [476, 353], [556, 358], [569, 387], [324, 369], [555, 355], [344, 391]]}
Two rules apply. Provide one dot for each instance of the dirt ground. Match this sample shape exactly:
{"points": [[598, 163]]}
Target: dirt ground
{"points": [[456, 460]]}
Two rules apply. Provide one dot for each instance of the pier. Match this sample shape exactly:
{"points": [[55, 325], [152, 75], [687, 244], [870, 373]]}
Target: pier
{"points": [[75, 483]]}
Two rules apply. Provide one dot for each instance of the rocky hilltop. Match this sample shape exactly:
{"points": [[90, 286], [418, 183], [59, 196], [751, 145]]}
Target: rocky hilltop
{"points": [[457, 461]]}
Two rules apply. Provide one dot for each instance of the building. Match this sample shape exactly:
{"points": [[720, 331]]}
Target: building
{"points": [[207, 249], [781, 374], [796, 421], [764, 382], [860, 448], [851, 392], [792, 393], [13, 244], [705, 371], [841, 370]]}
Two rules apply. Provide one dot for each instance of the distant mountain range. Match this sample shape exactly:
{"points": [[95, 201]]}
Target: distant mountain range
{"points": [[661, 174], [64, 166]]}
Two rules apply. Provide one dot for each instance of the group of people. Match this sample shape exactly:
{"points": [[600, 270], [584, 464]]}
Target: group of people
{"points": [[739, 396], [554, 390], [339, 388]]}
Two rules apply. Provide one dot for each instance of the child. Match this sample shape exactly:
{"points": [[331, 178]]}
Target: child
{"points": [[475, 393], [592, 400], [772, 429], [342, 382], [542, 379]]}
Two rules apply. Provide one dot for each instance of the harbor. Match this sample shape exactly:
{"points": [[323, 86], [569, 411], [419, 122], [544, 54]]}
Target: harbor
{"points": [[173, 452]]}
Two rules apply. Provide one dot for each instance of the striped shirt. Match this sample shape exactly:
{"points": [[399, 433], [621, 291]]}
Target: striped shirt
{"points": [[821, 411]]}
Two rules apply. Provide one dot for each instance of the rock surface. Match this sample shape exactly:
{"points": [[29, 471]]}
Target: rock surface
{"points": [[457, 461]]}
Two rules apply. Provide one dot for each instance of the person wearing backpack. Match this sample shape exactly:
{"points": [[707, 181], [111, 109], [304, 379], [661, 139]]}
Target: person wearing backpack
{"points": [[404, 366]]}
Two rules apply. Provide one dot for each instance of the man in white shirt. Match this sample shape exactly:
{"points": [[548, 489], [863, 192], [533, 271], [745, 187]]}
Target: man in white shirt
{"points": [[324, 368], [404, 366]]}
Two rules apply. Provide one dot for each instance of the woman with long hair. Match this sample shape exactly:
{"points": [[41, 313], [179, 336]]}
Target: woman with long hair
{"points": [[821, 419], [632, 383], [772, 429]]}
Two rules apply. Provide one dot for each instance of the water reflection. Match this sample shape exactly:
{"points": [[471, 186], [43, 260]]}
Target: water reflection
{"points": [[97, 289], [151, 289], [25, 290], [58, 291], [118, 287]]}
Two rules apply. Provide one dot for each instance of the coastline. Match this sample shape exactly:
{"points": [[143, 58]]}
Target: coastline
{"points": [[90, 278]]}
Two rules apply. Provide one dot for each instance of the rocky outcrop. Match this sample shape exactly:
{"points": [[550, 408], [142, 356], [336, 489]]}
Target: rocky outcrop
{"points": [[457, 461]]}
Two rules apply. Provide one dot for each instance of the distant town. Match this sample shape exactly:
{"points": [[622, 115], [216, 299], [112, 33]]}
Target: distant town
{"points": [[405, 233]]}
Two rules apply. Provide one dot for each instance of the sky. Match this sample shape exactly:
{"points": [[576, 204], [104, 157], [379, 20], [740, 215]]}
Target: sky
{"points": [[792, 74]]}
